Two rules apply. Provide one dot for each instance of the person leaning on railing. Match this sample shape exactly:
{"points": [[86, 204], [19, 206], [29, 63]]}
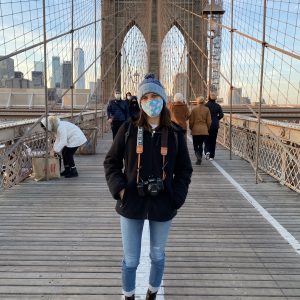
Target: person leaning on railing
{"points": [[68, 137]]}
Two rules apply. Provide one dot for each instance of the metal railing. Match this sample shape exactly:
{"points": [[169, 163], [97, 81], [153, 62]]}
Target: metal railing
{"points": [[279, 152], [17, 165]]}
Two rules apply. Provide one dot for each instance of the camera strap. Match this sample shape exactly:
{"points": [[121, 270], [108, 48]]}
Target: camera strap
{"points": [[140, 149]]}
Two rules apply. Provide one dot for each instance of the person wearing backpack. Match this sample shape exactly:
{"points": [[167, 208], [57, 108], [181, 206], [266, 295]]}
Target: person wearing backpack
{"points": [[117, 113], [153, 185]]}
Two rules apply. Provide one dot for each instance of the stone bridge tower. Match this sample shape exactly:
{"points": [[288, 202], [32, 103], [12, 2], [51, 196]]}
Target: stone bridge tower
{"points": [[149, 16]]}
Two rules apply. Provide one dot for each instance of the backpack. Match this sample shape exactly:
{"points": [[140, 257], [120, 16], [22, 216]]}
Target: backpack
{"points": [[128, 132]]}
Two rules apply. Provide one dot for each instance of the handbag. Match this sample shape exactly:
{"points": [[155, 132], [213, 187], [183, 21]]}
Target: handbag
{"points": [[39, 168]]}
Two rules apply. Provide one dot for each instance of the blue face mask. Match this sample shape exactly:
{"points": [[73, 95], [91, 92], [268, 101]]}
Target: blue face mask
{"points": [[153, 107]]}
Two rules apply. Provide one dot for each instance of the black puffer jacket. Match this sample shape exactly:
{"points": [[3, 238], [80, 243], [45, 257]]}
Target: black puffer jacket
{"points": [[178, 169], [216, 113]]}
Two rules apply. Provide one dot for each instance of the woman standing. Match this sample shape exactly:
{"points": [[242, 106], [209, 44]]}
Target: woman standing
{"points": [[200, 121], [154, 183]]}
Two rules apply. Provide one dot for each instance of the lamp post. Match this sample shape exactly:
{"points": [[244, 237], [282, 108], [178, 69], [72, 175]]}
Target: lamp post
{"points": [[212, 9], [136, 76]]}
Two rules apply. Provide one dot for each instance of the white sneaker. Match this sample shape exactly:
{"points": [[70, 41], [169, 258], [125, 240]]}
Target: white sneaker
{"points": [[211, 159], [207, 155]]}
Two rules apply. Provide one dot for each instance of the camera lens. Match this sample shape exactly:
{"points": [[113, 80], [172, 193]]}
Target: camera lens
{"points": [[153, 189]]}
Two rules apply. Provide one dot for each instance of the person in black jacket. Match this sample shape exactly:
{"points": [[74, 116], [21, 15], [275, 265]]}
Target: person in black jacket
{"points": [[117, 113], [133, 106], [153, 185], [216, 113]]}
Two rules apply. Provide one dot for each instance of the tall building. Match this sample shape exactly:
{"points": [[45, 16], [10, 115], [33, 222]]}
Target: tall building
{"points": [[79, 68], [37, 79], [92, 87], [56, 72], [66, 73], [237, 97], [18, 74], [6, 68], [39, 66], [19, 83]]}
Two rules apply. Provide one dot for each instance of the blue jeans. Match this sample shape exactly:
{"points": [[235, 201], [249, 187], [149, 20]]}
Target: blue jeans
{"points": [[131, 237]]}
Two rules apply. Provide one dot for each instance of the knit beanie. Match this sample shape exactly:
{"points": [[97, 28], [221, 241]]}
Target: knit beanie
{"points": [[151, 85]]}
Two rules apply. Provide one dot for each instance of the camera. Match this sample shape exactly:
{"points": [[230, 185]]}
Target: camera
{"points": [[151, 187]]}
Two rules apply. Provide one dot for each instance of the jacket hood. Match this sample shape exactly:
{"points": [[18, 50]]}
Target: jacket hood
{"points": [[53, 123]]}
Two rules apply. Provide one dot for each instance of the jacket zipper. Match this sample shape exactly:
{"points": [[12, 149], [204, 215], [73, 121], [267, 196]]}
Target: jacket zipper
{"points": [[148, 197]]}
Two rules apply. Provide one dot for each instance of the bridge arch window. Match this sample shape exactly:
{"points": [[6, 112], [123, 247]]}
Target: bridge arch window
{"points": [[134, 60], [173, 63]]}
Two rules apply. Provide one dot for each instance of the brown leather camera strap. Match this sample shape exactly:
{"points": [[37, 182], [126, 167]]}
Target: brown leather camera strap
{"points": [[140, 149], [164, 149]]}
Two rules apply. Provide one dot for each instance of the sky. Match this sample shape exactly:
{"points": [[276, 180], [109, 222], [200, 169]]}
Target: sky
{"points": [[21, 24]]}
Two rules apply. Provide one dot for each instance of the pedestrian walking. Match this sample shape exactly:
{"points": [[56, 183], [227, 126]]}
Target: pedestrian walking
{"points": [[199, 122], [179, 112], [133, 106], [216, 113], [117, 112], [153, 185], [68, 137]]}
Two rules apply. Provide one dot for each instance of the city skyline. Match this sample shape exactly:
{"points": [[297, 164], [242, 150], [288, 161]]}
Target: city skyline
{"points": [[281, 84]]}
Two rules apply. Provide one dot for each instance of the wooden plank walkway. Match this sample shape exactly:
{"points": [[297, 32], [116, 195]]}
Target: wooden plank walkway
{"points": [[61, 239]]}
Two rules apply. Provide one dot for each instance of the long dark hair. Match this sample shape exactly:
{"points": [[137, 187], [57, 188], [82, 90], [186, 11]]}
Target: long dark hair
{"points": [[164, 121]]}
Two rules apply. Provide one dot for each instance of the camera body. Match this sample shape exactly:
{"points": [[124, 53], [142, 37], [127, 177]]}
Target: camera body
{"points": [[151, 187]]}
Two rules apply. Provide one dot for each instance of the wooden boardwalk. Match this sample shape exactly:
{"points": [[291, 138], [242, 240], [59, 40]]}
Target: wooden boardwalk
{"points": [[61, 239]]}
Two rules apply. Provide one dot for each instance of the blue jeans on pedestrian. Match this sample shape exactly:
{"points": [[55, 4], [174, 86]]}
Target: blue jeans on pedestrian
{"points": [[131, 237]]}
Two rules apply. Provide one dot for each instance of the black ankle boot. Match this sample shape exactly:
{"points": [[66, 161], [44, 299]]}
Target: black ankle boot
{"points": [[72, 173], [198, 162], [150, 296], [66, 171], [130, 298]]}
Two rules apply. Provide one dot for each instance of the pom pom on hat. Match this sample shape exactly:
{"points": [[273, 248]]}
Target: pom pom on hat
{"points": [[151, 85]]}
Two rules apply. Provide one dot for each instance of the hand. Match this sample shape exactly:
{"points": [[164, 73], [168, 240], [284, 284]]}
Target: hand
{"points": [[109, 120], [52, 153], [122, 194]]}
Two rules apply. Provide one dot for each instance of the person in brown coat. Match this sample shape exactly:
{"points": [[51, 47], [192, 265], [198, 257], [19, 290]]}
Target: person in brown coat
{"points": [[200, 121], [179, 112]]}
